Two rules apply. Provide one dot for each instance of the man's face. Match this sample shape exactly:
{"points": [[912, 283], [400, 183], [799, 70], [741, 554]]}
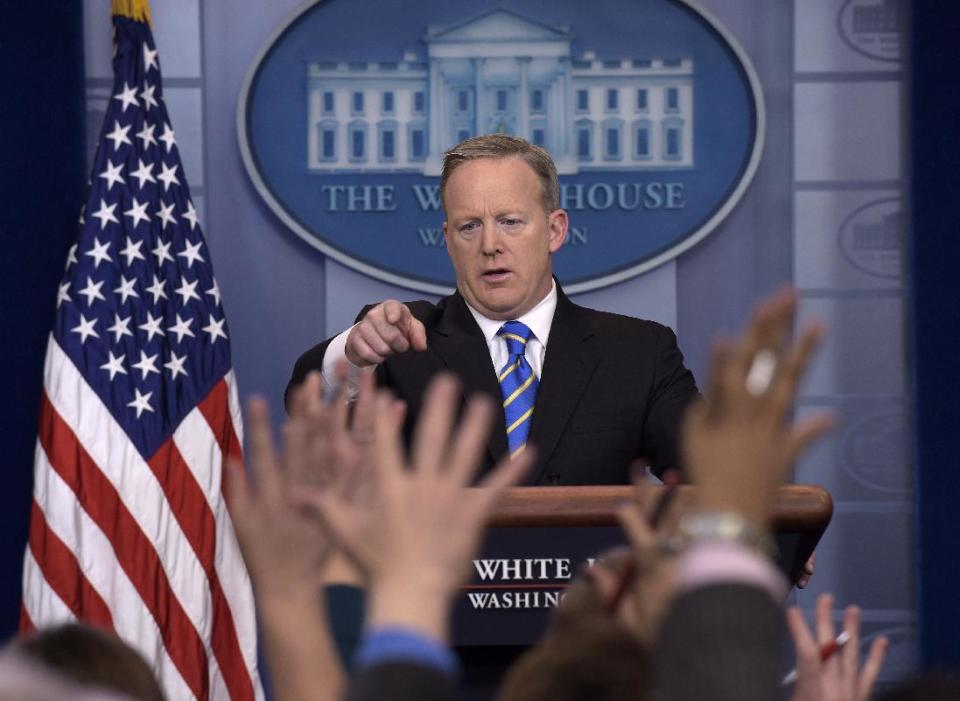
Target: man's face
{"points": [[499, 237]]}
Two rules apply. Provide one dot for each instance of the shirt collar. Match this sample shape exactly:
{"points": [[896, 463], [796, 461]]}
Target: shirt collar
{"points": [[539, 319]]}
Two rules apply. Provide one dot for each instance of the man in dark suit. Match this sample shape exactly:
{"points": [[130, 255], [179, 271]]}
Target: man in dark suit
{"points": [[612, 389]]}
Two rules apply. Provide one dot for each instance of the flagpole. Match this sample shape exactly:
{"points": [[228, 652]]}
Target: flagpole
{"points": [[138, 10]]}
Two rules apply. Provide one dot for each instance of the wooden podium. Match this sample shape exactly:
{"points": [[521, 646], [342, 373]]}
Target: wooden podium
{"points": [[540, 536], [800, 513], [556, 529]]}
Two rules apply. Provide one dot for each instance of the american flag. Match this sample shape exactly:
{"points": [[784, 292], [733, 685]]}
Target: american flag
{"points": [[129, 525]]}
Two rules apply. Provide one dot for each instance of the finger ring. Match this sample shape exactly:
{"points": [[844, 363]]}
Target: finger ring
{"points": [[761, 372]]}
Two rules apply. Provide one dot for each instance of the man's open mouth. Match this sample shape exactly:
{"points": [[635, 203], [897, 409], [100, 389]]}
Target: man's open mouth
{"points": [[496, 274]]}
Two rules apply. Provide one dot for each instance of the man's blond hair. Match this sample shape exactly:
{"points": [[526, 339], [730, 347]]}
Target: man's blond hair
{"points": [[505, 146]]}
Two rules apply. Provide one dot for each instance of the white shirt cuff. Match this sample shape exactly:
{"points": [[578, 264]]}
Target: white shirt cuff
{"points": [[336, 351]]}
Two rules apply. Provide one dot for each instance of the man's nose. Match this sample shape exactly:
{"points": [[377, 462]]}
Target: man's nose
{"points": [[490, 242]]}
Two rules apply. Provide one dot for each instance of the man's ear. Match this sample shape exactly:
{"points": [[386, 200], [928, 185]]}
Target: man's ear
{"points": [[557, 224], [445, 230]]}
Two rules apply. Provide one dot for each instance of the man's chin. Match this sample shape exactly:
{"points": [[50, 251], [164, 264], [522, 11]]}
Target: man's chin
{"points": [[496, 306]]}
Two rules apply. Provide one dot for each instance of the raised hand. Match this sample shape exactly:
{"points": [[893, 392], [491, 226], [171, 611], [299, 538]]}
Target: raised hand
{"points": [[653, 564], [286, 550], [284, 547], [840, 677], [385, 330], [416, 544], [739, 442]]}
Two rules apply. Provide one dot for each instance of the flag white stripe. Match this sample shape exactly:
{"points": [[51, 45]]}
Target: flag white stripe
{"points": [[132, 619], [191, 439], [218, 686], [111, 449], [248, 635], [41, 602], [233, 400], [200, 450]]}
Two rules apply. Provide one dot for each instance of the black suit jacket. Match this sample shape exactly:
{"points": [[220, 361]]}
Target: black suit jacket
{"points": [[723, 642], [612, 389]]}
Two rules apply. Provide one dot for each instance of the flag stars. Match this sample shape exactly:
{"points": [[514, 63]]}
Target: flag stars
{"points": [[187, 291], [152, 327], [71, 256], [191, 252], [92, 291], [99, 253], [215, 293], [127, 97], [112, 175], [126, 289], [132, 251], [147, 364], [86, 329], [182, 328], [141, 402], [62, 294], [190, 215], [146, 134], [215, 329], [168, 137], [120, 328], [162, 252], [156, 289], [144, 173], [149, 58], [119, 135], [114, 365], [175, 365], [137, 212], [168, 176], [165, 213], [147, 96], [105, 214]]}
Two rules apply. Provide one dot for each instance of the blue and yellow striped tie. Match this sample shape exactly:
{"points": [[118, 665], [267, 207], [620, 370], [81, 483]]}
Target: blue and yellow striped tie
{"points": [[518, 385]]}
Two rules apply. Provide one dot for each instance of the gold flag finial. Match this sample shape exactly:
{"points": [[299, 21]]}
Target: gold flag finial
{"points": [[138, 10]]}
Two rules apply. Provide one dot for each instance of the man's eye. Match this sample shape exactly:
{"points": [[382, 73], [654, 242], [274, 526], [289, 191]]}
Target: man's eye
{"points": [[510, 222], [469, 227]]}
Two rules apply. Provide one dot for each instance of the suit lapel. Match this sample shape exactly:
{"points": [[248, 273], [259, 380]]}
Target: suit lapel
{"points": [[568, 364], [461, 345]]}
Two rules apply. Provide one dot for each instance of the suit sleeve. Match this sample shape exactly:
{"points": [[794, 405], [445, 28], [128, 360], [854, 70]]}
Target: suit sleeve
{"points": [[724, 642], [674, 389]]}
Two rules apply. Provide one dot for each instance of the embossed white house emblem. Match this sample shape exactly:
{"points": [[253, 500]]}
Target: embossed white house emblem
{"points": [[651, 111], [874, 28]]}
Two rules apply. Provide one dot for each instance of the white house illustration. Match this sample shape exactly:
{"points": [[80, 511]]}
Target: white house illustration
{"points": [[500, 72]]}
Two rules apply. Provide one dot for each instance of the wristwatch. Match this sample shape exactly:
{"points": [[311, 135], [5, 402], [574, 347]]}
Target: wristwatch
{"points": [[726, 526]]}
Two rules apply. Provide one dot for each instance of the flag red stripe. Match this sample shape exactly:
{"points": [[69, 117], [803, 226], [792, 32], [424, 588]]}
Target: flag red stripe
{"points": [[186, 500], [63, 574], [215, 408], [26, 625], [226, 646], [135, 553], [193, 513]]}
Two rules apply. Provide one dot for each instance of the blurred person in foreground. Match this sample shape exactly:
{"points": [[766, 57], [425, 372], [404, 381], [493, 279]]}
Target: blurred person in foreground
{"points": [[92, 659]]}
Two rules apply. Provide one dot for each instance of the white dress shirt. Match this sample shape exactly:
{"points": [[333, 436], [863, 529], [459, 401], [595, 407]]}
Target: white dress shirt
{"points": [[539, 320]]}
